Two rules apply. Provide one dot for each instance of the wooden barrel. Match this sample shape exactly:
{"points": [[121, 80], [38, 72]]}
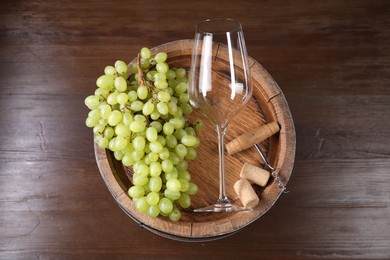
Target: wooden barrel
{"points": [[267, 104]]}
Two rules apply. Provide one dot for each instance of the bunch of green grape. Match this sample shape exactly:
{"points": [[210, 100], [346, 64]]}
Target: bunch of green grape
{"points": [[141, 115]]}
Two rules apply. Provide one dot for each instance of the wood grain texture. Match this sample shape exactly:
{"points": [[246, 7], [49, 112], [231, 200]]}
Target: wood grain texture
{"points": [[331, 60]]}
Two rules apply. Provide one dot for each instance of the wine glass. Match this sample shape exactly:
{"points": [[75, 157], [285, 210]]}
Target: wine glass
{"points": [[220, 86]]}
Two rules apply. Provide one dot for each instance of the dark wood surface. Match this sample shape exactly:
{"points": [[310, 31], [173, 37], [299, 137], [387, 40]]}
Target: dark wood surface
{"points": [[330, 58]]}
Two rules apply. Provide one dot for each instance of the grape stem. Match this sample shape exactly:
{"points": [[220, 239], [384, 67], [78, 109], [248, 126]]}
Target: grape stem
{"points": [[141, 77]]}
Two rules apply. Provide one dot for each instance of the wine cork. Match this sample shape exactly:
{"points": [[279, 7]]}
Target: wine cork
{"points": [[246, 194], [250, 138], [255, 174]]}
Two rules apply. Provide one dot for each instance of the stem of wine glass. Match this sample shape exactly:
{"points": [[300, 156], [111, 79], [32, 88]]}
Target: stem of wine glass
{"points": [[222, 199]]}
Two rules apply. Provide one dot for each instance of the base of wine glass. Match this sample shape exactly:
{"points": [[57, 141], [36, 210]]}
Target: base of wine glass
{"points": [[223, 207]]}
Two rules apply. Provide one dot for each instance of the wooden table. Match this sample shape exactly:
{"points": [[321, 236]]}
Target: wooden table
{"points": [[330, 58]]}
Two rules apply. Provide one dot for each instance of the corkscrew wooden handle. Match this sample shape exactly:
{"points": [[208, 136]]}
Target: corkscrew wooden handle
{"points": [[255, 136]]}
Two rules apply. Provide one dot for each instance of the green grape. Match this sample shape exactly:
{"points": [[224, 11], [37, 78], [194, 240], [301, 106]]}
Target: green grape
{"points": [[179, 113], [184, 201], [171, 175], [105, 82], [191, 153], [173, 185], [162, 108], [155, 169], [137, 126], [102, 92], [98, 129], [153, 198], [109, 132], [151, 134], [127, 159], [161, 140], [184, 174], [153, 157], [133, 96], [103, 122], [112, 99], [148, 108], [137, 155], [165, 205], [168, 128], [139, 180], [142, 92], [150, 75], [136, 105], [122, 130], [161, 57], [192, 188], [142, 170], [92, 101], [141, 204], [144, 63], [182, 165], [120, 66], [167, 165], [103, 142], [178, 122], [189, 140], [187, 108], [110, 70], [171, 141], [181, 88], [172, 107], [105, 110], [155, 184], [184, 185], [159, 77], [174, 158], [155, 115], [190, 131], [139, 143], [199, 125], [170, 74], [175, 215], [156, 147], [114, 118], [172, 195], [180, 73], [184, 98], [146, 160], [139, 117], [118, 155], [127, 118], [94, 114], [133, 68], [163, 96], [120, 143], [160, 84], [157, 125], [122, 98], [145, 53], [180, 133], [181, 150], [164, 154], [120, 84], [153, 211], [136, 191], [162, 67], [128, 149]]}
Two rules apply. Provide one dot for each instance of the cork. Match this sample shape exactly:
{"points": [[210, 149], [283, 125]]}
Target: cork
{"points": [[255, 174], [246, 194], [250, 138]]}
